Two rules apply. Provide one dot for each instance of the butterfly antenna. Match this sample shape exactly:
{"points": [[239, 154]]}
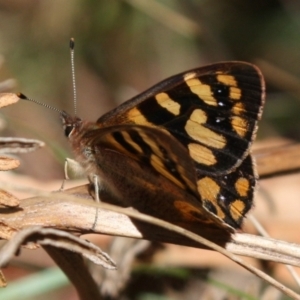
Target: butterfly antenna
{"points": [[23, 97], [72, 46]]}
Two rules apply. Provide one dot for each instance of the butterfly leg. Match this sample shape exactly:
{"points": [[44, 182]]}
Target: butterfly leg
{"points": [[75, 168], [94, 178], [96, 186], [62, 187]]}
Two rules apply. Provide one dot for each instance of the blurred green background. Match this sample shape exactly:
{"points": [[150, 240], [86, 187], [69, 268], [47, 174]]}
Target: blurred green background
{"points": [[124, 47]]}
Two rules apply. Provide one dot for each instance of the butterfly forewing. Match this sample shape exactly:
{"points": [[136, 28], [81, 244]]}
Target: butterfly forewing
{"points": [[213, 111]]}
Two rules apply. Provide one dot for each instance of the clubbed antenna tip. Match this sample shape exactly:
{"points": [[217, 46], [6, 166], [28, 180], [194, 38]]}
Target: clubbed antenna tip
{"points": [[23, 97], [72, 43]]}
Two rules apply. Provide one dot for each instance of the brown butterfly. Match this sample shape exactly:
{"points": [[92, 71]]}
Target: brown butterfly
{"points": [[180, 151]]}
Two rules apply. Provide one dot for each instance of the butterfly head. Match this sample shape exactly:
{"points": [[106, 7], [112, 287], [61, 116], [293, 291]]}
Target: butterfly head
{"points": [[70, 124]]}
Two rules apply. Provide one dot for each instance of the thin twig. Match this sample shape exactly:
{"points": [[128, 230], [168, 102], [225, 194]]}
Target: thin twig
{"points": [[264, 233]]}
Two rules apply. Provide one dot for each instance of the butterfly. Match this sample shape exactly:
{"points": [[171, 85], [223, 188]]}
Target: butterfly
{"points": [[179, 151]]}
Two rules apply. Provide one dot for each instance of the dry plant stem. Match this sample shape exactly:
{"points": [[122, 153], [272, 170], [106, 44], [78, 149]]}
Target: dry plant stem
{"points": [[278, 159], [74, 267], [77, 214], [264, 233], [264, 248]]}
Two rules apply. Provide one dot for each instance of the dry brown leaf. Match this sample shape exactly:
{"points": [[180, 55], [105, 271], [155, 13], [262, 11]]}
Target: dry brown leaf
{"points": [[2, 280], [67, 251], [7, 199], [19, 145], [55, 238], [8, 163], [8, 99], [6, 232]]}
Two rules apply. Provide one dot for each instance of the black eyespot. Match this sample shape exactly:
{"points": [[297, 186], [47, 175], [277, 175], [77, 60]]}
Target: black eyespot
{"points": [[68, 129]]}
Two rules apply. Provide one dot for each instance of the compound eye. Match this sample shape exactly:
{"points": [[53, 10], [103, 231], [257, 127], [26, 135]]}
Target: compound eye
{"points": [[68, 129]]}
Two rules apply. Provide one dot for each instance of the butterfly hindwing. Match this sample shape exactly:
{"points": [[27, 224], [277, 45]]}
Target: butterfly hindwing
{"points": [[229, 196], [150, 146]]}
